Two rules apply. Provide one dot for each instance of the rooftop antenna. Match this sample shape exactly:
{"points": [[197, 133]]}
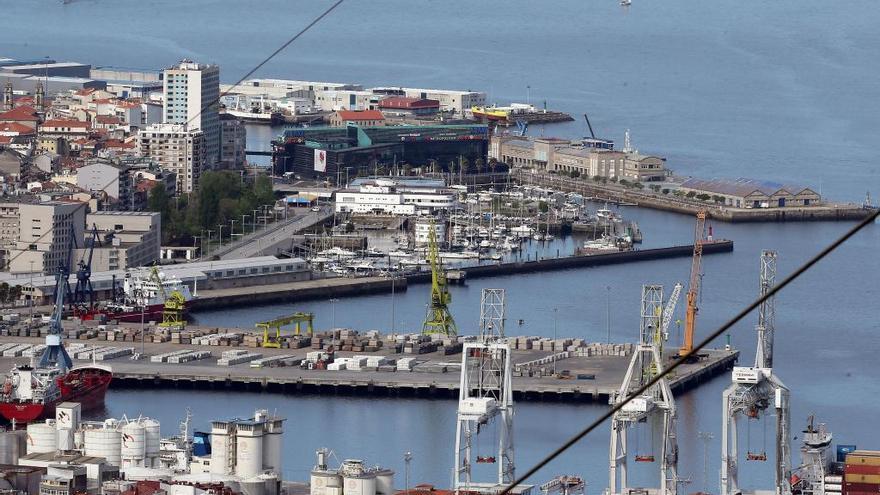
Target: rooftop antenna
{"points": [[627, 144]]}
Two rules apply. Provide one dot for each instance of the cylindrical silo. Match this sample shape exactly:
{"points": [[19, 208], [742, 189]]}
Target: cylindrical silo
{"points": [[106, 443], [323, 482], [221, 441], [385, 482], [42, 437], [248, 450], [13, 445], [253, 486], [272, 484], [65, 439], [154, 434], [364, 484], [133, 444], [272, 449]]}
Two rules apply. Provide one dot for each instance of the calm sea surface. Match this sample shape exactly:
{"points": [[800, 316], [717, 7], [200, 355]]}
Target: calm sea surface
{"points": [[783, 90]]}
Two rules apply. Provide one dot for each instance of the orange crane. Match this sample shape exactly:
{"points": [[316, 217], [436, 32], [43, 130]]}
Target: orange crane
{"points": [[690, 319]]}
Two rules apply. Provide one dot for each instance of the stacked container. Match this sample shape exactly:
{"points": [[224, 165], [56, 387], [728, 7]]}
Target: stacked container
{"points": [[862, 473]]}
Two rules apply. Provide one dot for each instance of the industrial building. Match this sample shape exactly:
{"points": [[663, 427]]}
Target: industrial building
{"points": [[334, 151], [220, 274], [752, 193]]}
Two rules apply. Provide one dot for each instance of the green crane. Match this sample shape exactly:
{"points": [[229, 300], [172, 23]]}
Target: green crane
{"points": [[439, 319]]}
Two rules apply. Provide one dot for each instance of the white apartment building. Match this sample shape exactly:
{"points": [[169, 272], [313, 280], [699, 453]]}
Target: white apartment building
{"points": [[44, 235], [188, 88], [385, 197], [176, 149]]}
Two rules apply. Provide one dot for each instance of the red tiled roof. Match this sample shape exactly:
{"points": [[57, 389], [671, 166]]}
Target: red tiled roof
{"points": [[5, 139], [103, 100], [78, 124], [115, 143], [85, 91], [22, 113], [108, 119], [360, 115], [146, 185], [407, 102], [15, 127]]}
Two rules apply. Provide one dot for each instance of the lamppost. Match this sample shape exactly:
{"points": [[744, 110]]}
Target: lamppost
{"points": [[31, 297], [254, 224], [407, 457], [220, 235], [231, 230], [333, 302], [243, 223]]}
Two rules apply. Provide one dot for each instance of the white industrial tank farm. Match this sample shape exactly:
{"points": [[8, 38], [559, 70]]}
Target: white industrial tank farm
{"points": [[42, 438]]}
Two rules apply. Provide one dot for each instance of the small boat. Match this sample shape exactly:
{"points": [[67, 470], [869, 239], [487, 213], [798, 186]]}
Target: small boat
{"points": [[626, 3]]}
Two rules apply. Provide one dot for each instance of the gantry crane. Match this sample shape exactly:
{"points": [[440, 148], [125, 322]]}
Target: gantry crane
{"points": [[690, 319], [656, 406], [55, 354], [83, 300], [439, 319], [485, 397], [274, 341], [754, 392]]}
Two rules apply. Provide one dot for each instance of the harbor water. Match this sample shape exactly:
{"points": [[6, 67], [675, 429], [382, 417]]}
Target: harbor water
{"points": [[783, 91]]}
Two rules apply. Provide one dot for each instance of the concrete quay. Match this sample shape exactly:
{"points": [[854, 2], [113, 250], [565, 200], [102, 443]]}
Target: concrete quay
{"points": [[614, 193], [342, 287], [436, 375]]}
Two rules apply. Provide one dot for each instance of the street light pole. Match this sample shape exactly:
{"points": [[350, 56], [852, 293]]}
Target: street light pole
{"points": [[220, 235], [333, 301], [406, 458]]}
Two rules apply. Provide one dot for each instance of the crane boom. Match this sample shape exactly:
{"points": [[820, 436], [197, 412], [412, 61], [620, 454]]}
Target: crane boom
{"points": [[690, 319], [669, 310]]}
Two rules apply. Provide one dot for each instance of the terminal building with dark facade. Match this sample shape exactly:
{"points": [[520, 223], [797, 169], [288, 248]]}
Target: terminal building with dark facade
{"points": [[326, 151]]}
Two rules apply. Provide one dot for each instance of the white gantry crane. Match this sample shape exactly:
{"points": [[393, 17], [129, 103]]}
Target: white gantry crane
{"points": [[756, 393], [656, 408], [485, 400]]}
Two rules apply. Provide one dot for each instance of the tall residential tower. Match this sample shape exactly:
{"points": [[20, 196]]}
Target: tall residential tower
{"points": [[190, 88]]}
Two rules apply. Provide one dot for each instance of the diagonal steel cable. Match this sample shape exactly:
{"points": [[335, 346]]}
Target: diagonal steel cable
{"points": [[702, 344], [266, 60]]}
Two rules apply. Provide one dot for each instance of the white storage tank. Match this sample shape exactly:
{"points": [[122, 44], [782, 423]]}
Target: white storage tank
{"points": [[104, 442], [356, 480], [134, 442], [272, 448], [220, 444], [153, 435], [272, 484], [42, 437], [384, 482], [65, 439], [13, 445], [324, 482], [253, 486], [248, 449]]}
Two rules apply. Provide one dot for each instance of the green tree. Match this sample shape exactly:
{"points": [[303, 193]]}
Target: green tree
{"points": [[543, 207], [665, 190], [691, 194], [597, 178], [478, 164], [14, 293], [4, 292]]}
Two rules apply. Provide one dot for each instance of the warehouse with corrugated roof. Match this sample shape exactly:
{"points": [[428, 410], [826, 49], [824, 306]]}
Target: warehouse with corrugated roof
{"points": [[752, 193]]}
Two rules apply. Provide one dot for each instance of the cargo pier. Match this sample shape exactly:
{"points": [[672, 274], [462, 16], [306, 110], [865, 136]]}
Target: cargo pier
{"points": [[230, 359]]}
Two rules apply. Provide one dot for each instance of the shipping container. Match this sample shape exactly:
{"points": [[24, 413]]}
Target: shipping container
{"points": [[843, 450], [861, 469], [863, 457], [862, 478], [849, 487]]}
